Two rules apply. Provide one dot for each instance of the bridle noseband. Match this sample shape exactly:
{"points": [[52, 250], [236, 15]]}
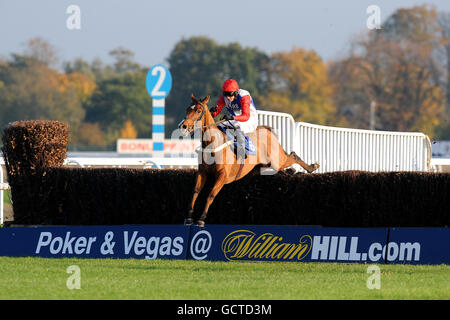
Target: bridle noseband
{"points": [[201, 117]]}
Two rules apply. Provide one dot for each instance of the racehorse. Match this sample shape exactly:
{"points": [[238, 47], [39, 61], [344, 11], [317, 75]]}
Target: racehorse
{"points": [[218, 160]]}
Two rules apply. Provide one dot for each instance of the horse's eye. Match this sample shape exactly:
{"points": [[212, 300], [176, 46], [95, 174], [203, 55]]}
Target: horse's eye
{"points": [[199, 111]]}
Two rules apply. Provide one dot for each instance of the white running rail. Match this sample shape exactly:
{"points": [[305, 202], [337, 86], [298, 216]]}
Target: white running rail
{"points": [[118, 162], [339, 149], [284, 126]]}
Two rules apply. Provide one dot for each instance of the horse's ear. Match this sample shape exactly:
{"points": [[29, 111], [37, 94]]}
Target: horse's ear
{"points": [[192, 97], [206, 99]]}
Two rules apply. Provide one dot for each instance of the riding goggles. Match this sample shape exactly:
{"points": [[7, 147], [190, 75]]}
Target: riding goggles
{"points": [[229, 93]]}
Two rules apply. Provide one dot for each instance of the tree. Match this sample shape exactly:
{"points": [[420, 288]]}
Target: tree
{"points": [[300, 86], [128, 131], [124, 60], [121, 96], [120, 99], [351, 97], [79, 66], [42, 51], [394, 67], [88, 134], [443, 55], [82, 84], [199, 65], [418, 25], [31, 90]]}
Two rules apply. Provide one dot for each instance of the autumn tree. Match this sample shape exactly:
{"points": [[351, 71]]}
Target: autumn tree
{"points": [[351, 97], [83, 85], [394, 68], [32, 90], [128, 131], [79, 66], [300, 86], [88, 135], [42, 51]]}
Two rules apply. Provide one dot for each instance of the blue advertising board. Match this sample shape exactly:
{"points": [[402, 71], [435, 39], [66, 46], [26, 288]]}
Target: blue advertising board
{"points": [[232, 243], [287, 243], [146, 242], [419, 246]]}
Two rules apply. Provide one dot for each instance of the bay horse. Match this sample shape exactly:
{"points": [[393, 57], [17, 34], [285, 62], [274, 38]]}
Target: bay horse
{"points": [[218, 160]]}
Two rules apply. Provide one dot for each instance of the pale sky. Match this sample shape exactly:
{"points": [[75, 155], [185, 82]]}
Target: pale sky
{"points": [[151, 28]]}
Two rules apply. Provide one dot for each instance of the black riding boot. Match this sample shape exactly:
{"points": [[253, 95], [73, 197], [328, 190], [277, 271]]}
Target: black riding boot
{"points": [[240, 139]]}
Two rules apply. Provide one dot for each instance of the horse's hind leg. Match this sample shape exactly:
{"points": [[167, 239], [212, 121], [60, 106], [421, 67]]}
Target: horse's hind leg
{"points": [[278, 158], [200, 183], [286, 160], [292, 158]]}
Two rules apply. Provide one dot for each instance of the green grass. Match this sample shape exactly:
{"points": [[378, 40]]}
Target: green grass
{"points": [[7, 197], [39, 278]]}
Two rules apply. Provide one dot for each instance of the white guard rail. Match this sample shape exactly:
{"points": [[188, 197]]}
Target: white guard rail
{"points": [[119, 162], [284, 126], [338, 149]]}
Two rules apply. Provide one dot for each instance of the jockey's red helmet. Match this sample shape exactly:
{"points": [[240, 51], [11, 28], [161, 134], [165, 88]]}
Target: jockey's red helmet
{"points": [[230, 85]]}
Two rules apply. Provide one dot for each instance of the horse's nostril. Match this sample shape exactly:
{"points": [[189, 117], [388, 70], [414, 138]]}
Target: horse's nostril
{"points": [[184, 126]]}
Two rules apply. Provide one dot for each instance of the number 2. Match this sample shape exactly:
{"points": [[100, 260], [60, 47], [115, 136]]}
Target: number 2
{"points": [[162, 76]]}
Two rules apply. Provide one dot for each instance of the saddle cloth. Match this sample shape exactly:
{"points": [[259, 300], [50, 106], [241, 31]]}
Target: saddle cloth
{"points": [[249, 145]]}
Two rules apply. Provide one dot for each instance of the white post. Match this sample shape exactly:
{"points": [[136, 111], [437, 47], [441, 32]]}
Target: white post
{"points": [[158, 119], [373, 106], [158, 83]]}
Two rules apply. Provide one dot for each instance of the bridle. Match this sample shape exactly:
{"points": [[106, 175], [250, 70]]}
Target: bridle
{"points": [[211, 150], [201, 117]]}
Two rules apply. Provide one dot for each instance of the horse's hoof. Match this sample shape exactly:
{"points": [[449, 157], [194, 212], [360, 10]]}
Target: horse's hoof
{"points": [[314, 167], [290, 171], [188, 221], [201, 223]]}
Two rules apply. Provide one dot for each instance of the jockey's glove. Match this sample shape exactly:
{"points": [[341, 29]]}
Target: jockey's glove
{"points": [[227, 117], [213, 109]]}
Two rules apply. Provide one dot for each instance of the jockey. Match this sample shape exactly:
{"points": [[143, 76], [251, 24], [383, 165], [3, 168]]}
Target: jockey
{"points": [[243, 116]]}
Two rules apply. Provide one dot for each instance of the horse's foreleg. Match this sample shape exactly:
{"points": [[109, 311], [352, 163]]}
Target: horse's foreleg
{"points": [[220, 182], [199, 184]]}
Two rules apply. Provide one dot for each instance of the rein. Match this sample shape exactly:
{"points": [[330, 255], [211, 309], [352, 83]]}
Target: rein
{"points": [[222, 146], [210, 150], [213, 124], [203, 114]]}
